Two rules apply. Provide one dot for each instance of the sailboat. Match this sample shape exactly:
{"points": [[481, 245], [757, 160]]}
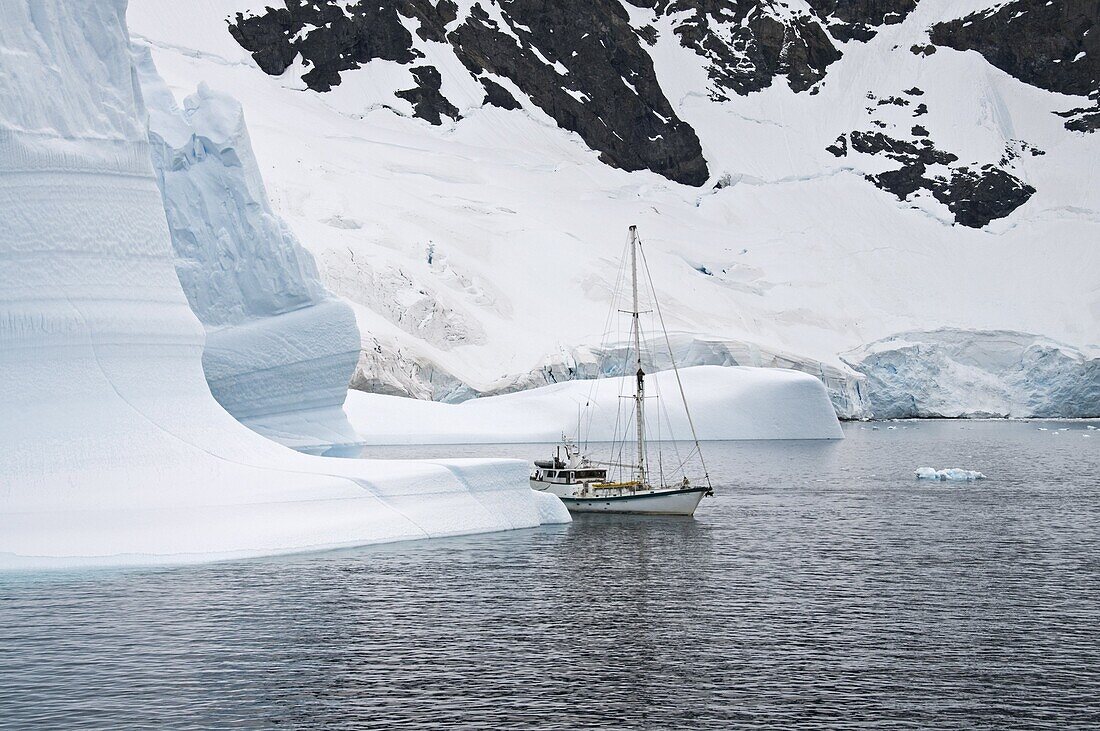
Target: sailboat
{"points": [[639, 486]]}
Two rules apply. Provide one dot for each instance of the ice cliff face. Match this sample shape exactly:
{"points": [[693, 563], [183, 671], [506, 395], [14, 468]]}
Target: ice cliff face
{"points": [[958, 373], [113, 449], [280, 350]]}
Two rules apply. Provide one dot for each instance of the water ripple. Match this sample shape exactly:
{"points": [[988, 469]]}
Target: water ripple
{"points": [[825, 589]]}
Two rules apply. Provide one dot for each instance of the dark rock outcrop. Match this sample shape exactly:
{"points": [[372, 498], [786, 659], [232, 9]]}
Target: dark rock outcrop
{"points": [[599, 81], [840, 147], [335, 41], [1083, 119], [580, 61], [974, 196], [1052, 45], [498, 96], [977, 197], [859, 19], [746, 47], [427, 99]]}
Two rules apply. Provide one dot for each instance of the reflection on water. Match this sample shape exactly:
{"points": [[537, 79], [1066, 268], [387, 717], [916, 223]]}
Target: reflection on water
{"points": [[822, 588]]}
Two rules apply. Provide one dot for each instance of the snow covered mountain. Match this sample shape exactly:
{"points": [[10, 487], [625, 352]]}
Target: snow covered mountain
{"points": [[864, 191]]}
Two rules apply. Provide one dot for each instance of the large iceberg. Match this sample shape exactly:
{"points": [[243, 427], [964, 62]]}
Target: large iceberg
{"points": [[114, 450], [726, 403], [280, 350]]}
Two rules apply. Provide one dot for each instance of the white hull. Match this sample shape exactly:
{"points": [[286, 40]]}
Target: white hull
{"points": [[662, 502]]}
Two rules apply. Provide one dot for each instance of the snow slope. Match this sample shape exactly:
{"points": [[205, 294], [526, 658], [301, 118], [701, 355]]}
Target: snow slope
{"points": [[481, 253], [114, 450], [726, 403], [279, 348]]}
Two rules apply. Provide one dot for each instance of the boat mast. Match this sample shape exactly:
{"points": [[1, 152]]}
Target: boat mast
{"points": [[672, 359], [639, 391]]}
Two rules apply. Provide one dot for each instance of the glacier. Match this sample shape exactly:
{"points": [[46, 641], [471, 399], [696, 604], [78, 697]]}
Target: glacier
{"points": [[114, 450], [963, 373], [279, 348]]}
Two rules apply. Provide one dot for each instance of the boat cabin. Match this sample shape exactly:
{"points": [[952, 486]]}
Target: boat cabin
{"points": [[557, 472]]}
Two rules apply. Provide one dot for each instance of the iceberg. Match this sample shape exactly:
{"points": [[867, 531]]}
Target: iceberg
{"points": [[952, 473], [727, 402], [280, 349], [114, 450]]}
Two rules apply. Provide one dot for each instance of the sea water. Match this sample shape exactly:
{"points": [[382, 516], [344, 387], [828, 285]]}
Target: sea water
{"points": [[822, 587]]}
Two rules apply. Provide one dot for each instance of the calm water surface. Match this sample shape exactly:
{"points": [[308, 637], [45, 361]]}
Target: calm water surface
{"points": [[822, 588]]}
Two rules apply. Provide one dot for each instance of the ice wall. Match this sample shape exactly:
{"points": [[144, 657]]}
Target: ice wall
{"points": [[967, 373], [280, 350], [114, 450]]}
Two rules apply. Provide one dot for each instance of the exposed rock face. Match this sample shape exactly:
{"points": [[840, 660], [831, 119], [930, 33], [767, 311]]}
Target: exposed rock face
{"points": [[859, 19], [975, 196], [1083, 119], [427, 99], [976, 193], [581, 62], [748, 44], [498, 96], [336, 40], [586, 63], [1054, 46]]}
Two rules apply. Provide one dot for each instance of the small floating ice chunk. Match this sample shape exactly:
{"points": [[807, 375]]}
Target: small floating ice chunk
{"points": [[952, 473]]}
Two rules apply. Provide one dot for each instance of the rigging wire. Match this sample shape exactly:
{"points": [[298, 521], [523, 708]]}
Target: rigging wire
{"points": [[610, 322], [675, 370]]}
